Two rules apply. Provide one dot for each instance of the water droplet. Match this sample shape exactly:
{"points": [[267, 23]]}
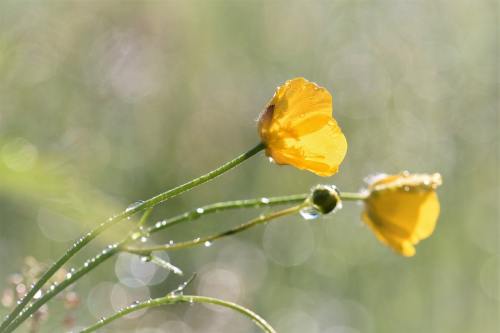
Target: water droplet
{"points": [[207, 243], [265, 200], [68, 276], [144, 239], [170, 242], [145, 259], [200, 210], [196, 240], [270, 159], [309, 213], [133, 206], [38, 294], [158, 224]]}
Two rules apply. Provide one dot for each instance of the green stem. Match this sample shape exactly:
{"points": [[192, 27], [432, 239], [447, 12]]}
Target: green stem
{"points": [[197, 213], [203, 240], [80, 243], [173, 299], [188, 216], [113, 249], [144, 217], [353, 196], [197, 181], [55, 267], [87, 267], [221, 206]]}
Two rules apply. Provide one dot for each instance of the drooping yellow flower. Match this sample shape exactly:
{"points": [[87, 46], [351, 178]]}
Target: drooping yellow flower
{"points": [[298, 129], [402, 209]]}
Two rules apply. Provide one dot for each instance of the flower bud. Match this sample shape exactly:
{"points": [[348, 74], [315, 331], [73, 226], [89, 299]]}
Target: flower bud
{"points": [[326, 198]]}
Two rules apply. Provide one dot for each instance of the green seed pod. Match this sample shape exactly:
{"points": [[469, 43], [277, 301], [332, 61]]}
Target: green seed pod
{"points": [[326, 198]]}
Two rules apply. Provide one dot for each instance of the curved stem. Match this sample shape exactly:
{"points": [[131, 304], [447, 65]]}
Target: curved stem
{"points": [[197, 181], [80, 243], [173, 299], [188, 216], [115, 248], [202, 240]]}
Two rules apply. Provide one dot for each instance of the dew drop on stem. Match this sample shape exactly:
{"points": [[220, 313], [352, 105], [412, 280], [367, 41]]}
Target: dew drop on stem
{"points": [[133, 206]]}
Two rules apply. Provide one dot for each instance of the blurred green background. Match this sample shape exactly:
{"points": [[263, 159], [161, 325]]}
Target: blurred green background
{"points": [[106, 103]]}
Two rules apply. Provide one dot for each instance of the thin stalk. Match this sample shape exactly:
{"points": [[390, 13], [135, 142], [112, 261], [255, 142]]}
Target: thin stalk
{"points": [[144, 217], [80, 243], [174, 299], [226, 205], [115, 248], [353, 196], [188, 216], [56, 289], [144, 251]]}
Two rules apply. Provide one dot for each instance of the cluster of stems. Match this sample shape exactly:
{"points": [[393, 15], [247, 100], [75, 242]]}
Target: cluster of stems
{"points": [[27, 306]]}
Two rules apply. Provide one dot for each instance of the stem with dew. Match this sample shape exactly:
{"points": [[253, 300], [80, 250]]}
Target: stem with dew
{"points": [[115, 248], [188, 216], [80, 243], [174, 299], [202, 240]]}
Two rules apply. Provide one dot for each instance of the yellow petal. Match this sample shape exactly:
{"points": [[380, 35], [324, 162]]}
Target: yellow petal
{"points": [[402, 211], [298, 128]]}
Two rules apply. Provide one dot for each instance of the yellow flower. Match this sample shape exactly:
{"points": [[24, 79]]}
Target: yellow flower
{"points": [[402, 209], [298, 129]]}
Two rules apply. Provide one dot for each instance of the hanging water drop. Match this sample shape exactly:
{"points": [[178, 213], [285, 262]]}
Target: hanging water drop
{"points": [[309, 213], [207, 243], [200, 210]]}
